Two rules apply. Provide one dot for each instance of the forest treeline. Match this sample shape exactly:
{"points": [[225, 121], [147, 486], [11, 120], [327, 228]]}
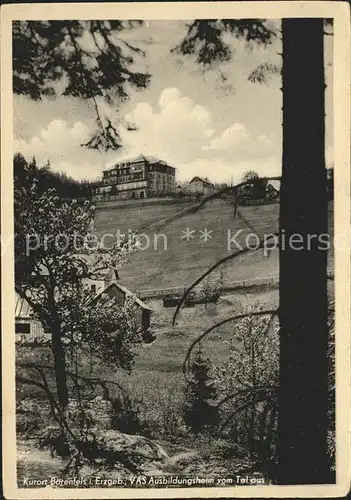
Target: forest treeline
{"points": [[65, 186]]}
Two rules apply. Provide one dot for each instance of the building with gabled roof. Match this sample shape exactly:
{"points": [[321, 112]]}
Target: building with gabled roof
{"points": [[201, 185], [27, 326], [139, 177], [273, 190], [106, 290], [115, 293]]}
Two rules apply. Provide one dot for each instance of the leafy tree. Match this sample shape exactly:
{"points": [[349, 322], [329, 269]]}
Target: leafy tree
{"points": [[255, 187], [55, 251], [88, 60], [253, 363], [250, 175], [200, 413], [211, 289], [205, 40]]}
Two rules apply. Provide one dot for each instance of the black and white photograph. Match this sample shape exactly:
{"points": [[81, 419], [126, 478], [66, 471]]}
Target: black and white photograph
{"points": [[175, 251]]}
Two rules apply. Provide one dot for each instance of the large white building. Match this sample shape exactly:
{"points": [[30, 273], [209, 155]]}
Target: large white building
{"points": [[141, 177]]}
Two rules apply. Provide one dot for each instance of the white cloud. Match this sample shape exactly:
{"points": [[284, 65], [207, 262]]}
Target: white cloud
{"points": [[61, 145], [265, 140], [169, 95], [178, 131], [57, 139], [181, 131], [231, 137]]}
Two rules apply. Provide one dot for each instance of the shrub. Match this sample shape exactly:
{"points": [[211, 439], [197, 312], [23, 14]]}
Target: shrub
{"points": [[162, 413], [158, 405], [211, 289], [125, 416], [30, 414]]}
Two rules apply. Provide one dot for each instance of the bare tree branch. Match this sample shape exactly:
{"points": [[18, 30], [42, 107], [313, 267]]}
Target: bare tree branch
{"points": [[246, 391], [89, 380], [209, 271], [220, 323]]}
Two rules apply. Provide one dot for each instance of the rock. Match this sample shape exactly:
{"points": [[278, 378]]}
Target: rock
{"points": [[178, 462], [121, 452], [185, 456], [139, 444], [139, 450]]}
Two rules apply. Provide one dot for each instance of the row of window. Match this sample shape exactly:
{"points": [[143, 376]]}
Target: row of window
{"points": [[130, 177], [120, 171], [108, 176], [101, 189], [164, 169], [125, 183], [168, 177], [132, 185]]}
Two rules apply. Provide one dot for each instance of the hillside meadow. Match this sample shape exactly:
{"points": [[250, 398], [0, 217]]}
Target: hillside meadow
{"points": [[171, 260]]}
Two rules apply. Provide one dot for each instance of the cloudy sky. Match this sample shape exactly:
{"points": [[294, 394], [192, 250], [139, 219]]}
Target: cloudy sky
{"points": [[185, 117]]}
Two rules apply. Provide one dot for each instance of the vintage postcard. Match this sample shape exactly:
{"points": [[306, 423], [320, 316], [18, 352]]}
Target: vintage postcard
{"points": [[175, 216]]}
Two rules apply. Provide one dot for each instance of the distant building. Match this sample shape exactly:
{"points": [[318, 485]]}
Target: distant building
{"points": [[105, 289], [200, 185], [141, 177], [273, 190]]}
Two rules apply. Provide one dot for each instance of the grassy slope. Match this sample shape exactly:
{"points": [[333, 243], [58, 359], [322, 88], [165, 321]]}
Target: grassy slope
{"points": [[181, 262]]}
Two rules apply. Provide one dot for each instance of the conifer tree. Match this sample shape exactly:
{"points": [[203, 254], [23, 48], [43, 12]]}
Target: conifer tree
{"points": [[200, 414]]}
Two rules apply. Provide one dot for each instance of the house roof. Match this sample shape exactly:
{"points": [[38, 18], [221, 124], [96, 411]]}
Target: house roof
{"points": [[127, 293], [201, 179], [24, 311], [22, 308], [109, 273], [151, 159], [275, 184]]}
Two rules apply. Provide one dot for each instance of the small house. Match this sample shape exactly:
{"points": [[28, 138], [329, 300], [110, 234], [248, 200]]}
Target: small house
{"points": [[200, 185], [27, 327], [115, 293], [273, 190], [104, 287]]}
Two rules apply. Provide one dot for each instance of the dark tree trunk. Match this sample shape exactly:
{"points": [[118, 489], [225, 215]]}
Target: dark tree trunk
{"points": [[59, 356], [302, 429]]}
